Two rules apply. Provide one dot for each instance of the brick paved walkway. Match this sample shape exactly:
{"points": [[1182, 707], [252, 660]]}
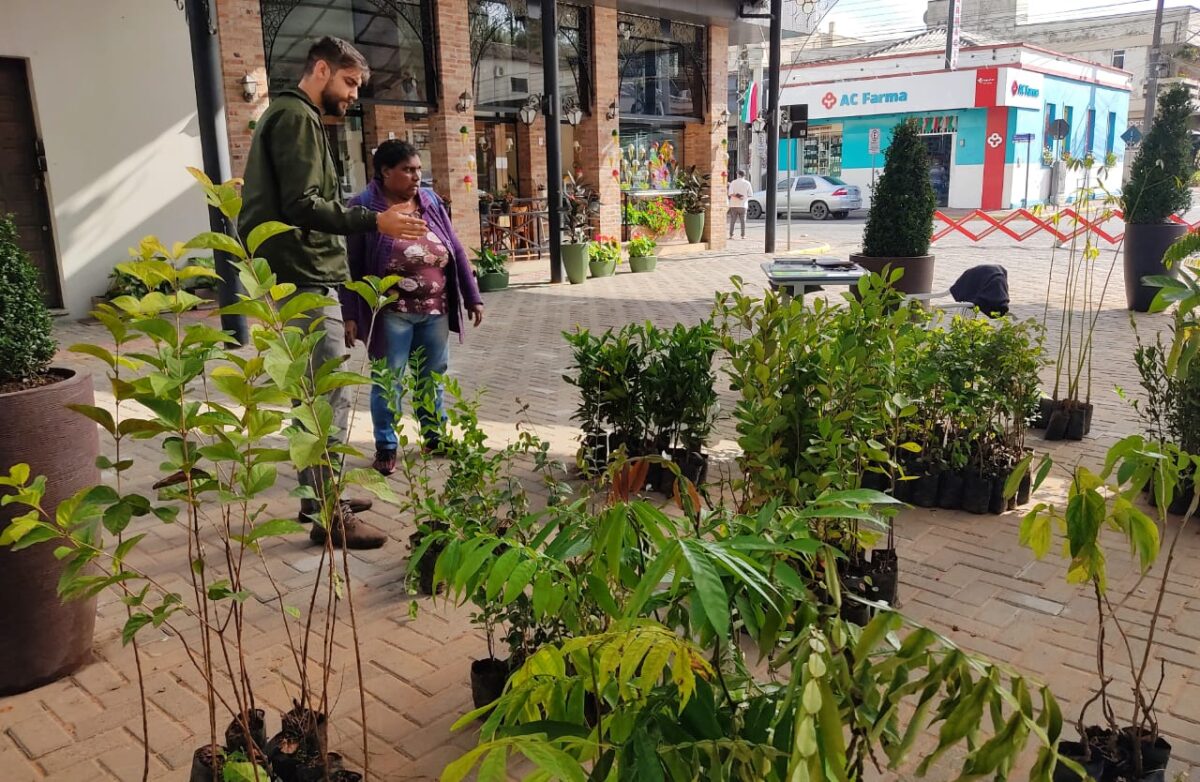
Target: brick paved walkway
{"points": [[964, 575]]}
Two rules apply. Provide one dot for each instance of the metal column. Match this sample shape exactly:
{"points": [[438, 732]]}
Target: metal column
{"points": [[773, 78], [549, 13], [214, 146]]}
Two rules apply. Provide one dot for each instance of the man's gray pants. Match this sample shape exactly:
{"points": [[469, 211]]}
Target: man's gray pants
{"points": [[737, 214], [332, 345]]}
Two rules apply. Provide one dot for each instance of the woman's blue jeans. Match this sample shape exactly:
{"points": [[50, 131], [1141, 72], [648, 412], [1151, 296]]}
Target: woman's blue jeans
{"points": [[404, 335]]}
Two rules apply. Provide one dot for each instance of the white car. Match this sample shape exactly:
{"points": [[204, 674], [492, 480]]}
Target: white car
{"points": [[818, 196]]}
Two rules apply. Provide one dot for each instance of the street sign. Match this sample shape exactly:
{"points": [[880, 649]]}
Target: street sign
{"points": [[1023, 138], [798, 114], [873, 136], [1131, 136], [1059, 129]]}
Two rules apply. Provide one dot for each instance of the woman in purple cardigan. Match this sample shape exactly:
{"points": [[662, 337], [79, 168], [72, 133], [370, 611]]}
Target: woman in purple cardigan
{"points": [[436, 285]]}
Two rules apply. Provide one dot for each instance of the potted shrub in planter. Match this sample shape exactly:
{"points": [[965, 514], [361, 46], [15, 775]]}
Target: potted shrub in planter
{"points": [[641, 254], [579, 204], [44, 638], [1157, 189], [604, 253], [693, 201], [900, 223], [490, 270]]}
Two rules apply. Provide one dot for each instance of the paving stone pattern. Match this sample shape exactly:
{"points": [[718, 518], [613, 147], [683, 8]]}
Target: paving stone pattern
{"points": [[964, 575]]}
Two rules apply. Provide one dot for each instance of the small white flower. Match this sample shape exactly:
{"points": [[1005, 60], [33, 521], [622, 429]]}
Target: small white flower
{"points": [[432, 237], [409, 284], [414, 251]]}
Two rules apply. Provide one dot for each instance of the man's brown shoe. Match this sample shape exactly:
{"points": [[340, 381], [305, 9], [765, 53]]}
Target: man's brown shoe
{"points": [[348, 530]]}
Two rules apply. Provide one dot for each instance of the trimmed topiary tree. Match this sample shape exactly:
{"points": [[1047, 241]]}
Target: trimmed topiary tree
{"points": [[1158, 180], [900, 223], [1157, 189], [26, 340]]}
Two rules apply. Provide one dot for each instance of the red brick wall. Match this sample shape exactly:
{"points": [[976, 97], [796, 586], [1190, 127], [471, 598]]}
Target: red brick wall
{"points": [[599, 151], [702, 142], [378, 121], [453, 154], [240, 36], [531, 153]]}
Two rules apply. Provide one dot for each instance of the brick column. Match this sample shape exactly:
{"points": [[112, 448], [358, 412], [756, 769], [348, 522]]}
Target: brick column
{"points": [[453, 156], [378, 121], [531, 156], [240, 38], [702, 142], [599, 152]]}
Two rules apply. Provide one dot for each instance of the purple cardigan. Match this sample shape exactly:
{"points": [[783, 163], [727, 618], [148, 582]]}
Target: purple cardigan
{"points": [[369, 254]]}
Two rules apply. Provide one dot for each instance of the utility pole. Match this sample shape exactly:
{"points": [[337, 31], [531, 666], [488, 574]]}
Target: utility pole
{"points": [[1155, 60], [953, 26], [554, 202], [775, 80]]}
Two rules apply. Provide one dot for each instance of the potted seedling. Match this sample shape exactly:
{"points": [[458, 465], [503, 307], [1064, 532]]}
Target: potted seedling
{"points": [[604, 253], [641, 254], [490, 270]]}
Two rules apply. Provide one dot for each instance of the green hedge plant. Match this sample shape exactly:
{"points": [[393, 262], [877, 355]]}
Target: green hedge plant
{"points": [[26, 341], [1158, 182], [900, 222]]}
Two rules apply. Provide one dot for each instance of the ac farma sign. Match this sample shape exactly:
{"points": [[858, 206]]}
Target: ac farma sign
{"points": [[883, 95]]}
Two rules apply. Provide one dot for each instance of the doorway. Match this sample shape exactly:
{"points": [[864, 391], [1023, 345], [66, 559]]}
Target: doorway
{"points": [[940, 147], [23, 176]]}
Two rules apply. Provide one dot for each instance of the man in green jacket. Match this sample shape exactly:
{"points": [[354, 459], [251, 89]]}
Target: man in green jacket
{"points": [[290, 177]]}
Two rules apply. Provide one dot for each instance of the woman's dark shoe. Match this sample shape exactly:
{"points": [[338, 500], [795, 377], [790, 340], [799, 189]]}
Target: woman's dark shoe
{"points": [[385, 462]]}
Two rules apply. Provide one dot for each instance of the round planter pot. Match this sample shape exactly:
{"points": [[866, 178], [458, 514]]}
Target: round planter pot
{"points": [[574, 259], [44, 639], [918, 271], [1143, 249], [642, 263], [602, 268], [1077, 751], [493, 281], [488, 678], [693, 225]]}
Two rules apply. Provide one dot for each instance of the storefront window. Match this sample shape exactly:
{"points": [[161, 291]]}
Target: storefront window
{"points": [[660, 67], [506, 55], [821, 152], [391, 34], [651, 156]]}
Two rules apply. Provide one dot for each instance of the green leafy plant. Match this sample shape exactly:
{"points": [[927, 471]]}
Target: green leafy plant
{"points": [[693, 198], [221, 415], [641, 247], [604, 249], [900, 221], [1158, 181], [580, 205], [26, 334], [489, 261]]}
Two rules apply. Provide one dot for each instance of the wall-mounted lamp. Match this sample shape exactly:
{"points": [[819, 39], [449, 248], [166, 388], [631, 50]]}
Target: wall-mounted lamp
{"points": [[464, 103], [612, 111], [625, 29], [409, 83], [483, 143], [758, 125], [571, 112], [528, 113], [723, 117], [249, 88]]}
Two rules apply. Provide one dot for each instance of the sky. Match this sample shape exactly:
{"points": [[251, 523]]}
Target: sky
{"points": [[896, 18]]}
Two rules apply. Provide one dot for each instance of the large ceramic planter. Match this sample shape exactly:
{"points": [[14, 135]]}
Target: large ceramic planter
{"points": [[602, 268], [493, 281], [43, 639], [918, 271], [1144, 247], [693, 225], [642, 263], [575, 261]]}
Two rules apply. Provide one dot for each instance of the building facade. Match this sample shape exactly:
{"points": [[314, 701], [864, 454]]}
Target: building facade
{"points": [[641, 89]]}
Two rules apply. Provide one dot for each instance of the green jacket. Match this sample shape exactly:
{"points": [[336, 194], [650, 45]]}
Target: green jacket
{"points": [[290, 177]]}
